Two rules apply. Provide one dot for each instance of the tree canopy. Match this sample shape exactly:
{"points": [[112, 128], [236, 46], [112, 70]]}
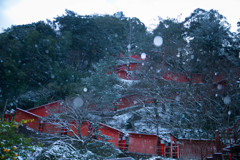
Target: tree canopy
{"points": [[46, 61]]}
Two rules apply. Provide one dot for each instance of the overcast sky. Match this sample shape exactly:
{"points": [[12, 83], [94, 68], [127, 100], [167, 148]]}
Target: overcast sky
{"points": [[15, 12]]}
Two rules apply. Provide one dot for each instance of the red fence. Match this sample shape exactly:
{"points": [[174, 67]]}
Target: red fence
{"points": [[234, 134], [196, 149]]}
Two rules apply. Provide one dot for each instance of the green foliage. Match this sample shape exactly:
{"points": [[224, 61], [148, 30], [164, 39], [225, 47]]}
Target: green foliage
{"points": [[12, 144], [103, 84], [209, 37], [173, 32], [49, 59], [42, 62]]}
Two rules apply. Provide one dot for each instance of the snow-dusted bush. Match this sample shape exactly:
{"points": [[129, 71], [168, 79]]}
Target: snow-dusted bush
{"points": [[12, 144], [60, 150]]}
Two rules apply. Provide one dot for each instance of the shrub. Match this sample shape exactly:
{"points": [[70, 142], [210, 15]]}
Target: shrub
{"points": [[12, 144]]}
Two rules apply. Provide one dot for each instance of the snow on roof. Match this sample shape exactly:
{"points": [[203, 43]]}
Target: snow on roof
{"points": [[44, 105], [142, 134], [129, 82], [28, 112], [111, 127], [192, 139]]}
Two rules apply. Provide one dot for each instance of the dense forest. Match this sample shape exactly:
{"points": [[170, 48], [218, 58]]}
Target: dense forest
{"points": [[53, 60]]}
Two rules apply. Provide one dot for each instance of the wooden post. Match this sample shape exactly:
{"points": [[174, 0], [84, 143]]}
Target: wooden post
{"points": [[212, 146], [217, 140], [5, 115], [164, 151], [4, 110], [41, 126], [230, 142], [171, 148], [11, 115], [178, 151]]}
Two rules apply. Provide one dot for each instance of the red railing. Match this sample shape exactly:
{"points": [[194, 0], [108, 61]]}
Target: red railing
{"points": [[226, 143], [234, 134]]}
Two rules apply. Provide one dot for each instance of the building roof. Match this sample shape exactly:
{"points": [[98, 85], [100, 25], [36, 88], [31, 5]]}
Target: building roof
{"points": [[28, 112]]}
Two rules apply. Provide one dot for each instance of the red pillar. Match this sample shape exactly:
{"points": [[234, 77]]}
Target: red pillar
{"points": [[11, 114], [6, 115], [41, 126]]}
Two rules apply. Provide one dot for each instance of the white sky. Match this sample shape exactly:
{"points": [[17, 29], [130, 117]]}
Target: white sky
{"points": [[15, 12]]}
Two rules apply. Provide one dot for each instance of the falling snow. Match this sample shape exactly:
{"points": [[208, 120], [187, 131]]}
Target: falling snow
{"points": [[158, 41], [143, 56], [229, 113], [227, 100], [219, 86], [77, 102], [178, 98], [85, 89]]}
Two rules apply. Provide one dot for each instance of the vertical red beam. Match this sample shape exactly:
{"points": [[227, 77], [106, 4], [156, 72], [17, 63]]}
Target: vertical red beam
{"points": [[10, 118], [230, 156], [162, 150], [11, 114], [6, 115], [177, 151], [41, 126]]}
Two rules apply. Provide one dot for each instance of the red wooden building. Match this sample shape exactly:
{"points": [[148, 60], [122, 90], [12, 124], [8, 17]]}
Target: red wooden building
{"points": [[197, 78], [143, 143], [84, 129], [47, 109], [37, 115], [34, 120], [178, 77], [113, 135], [138, 143], [128, 101], [196, 149], [153, 144]]}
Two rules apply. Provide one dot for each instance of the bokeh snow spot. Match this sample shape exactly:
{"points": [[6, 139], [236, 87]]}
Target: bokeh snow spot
{"points": [[226, 100], [85, 89], [158, 41], [143, 56]]}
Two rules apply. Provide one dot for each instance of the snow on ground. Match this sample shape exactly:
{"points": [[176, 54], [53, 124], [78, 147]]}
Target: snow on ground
{"points": [[142, 123], [161, 158]]}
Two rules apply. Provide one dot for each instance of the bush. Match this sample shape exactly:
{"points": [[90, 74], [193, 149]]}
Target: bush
{"points": [[12, 144]]}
